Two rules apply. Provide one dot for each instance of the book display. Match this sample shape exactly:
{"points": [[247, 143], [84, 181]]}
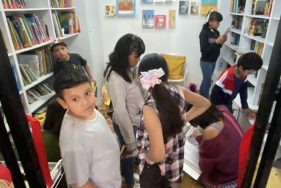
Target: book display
{"points": [[29, 27], [253, 28]]}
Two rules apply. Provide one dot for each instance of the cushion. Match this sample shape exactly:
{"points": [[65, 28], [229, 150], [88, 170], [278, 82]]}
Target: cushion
{"points": [[176, 66]]}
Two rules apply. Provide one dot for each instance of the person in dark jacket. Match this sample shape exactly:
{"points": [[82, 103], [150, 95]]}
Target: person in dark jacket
{"points": [[210, 44], [234, 80]]}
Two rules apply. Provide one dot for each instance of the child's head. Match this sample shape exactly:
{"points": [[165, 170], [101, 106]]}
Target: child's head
{"points": [[214, 19], [126, 54], [74, 92], [60, 51], [127, 50], [248, 63], [211, 115], [154, 70], [154, 61]]}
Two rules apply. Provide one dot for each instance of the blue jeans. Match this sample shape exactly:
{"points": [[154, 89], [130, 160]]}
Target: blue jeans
{"points": [[127, 164], [207, 68]]}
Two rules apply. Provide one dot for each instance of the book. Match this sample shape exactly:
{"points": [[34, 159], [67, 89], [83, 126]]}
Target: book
{"points": [[160, 21], [172, 18], [148, 19], [191, 154], [183, 7], [32, 60]]}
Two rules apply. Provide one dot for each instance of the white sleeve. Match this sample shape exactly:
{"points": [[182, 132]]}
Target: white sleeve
{"points": [[77, 167]]}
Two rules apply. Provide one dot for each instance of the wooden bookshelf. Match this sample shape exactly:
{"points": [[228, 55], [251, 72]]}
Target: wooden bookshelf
{"points": [[29, 28]]}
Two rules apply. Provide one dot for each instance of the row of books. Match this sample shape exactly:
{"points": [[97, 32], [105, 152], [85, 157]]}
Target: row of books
{"points": [[261, 7], [35, 64], [36, 92], [258, 27], [61, 3], [27, 30], [234, 38], [65, 23], [237, 22], [8, 4], [257, 47], [237, 6]]}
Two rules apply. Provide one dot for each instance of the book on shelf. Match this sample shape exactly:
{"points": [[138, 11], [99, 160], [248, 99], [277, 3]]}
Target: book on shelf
{"points": [[258, 27], [235, 38], [13, 65], [32, 60], [261, 7], [13, 4], [237, 6], [61, 3], [191, 154], [237, 22], [69, 22]]}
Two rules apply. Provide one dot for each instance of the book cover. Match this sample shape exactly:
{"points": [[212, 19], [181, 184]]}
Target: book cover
{"points": [[148, 19], [110, 10], [147, 1], [207, 6], [183, 7], [194, 8], [160, 21], [172, 18]]}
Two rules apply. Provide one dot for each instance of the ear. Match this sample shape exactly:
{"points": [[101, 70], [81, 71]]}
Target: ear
{"points": [[62, 102]]}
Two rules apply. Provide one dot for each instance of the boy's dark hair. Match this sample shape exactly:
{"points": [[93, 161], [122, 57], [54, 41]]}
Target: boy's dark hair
{"points": [[118, 59], [167, 105], [69, 78], [211, 115], [58, 43], [250, 61], [215, 16]]}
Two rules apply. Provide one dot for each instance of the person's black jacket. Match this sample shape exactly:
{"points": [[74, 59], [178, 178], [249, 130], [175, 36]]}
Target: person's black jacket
{"points": [[210, 50]]}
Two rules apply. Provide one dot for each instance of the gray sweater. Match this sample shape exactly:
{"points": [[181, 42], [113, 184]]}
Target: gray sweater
{"points": [[127, 101]]}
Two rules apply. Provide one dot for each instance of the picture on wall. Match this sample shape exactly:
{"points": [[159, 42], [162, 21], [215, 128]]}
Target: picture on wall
{"points": [[183, 7], [159, 1], [148, 19], [125, 7], [160, 21], [207, 6], [147, 1], [110, 10], [194, 7], [172, 18]]}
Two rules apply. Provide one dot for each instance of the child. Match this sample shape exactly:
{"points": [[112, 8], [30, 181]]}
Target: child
{"points": [[234, 80], [89, 150], [210, 44], [126, 97], [161, 134], [64, 58], [219, 137]]}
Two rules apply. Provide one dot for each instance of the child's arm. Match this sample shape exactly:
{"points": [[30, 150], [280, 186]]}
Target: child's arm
{"points": [[153, 126], [200, 104]]}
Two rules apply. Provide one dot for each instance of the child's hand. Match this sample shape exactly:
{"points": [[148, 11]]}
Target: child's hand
{"points": [[196, 133], [221, 39], [250, 113]]}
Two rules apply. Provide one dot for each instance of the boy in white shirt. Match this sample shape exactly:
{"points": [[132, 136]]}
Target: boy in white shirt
{"points": [[89, 150]]}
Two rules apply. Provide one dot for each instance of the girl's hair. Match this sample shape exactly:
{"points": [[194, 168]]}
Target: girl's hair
{"points": [[118, 59], [211, 115], [215, 16], [167, 105], [68, 78]]}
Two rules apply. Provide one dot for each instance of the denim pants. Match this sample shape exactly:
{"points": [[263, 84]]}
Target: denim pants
{"points": [[127, 164], [207, 68]]}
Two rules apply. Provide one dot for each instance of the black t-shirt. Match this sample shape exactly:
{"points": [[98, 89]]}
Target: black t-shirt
{"points": [[75, 61], [210, 50]]}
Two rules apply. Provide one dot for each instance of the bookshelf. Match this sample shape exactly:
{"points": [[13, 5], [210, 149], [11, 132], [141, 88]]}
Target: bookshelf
{"points": [[253, 28], [29, 27]]}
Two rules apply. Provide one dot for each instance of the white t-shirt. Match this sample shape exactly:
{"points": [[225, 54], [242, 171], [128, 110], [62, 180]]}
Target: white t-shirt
{"points": [[90, 151]]}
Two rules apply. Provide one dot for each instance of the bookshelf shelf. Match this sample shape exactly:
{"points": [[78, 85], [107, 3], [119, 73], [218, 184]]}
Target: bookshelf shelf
{"points": [[42, 100], [41, 79], [28, 33], [257, 16], [236, 14], [236, 31]]}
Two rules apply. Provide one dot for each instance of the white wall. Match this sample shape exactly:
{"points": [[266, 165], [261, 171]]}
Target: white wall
{"points": [[100, 34]]}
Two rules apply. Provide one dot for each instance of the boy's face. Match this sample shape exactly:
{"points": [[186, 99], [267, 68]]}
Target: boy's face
{"points": [[214, 24], [60, 53], [245, 72], [133, 59], [79, 100]]}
